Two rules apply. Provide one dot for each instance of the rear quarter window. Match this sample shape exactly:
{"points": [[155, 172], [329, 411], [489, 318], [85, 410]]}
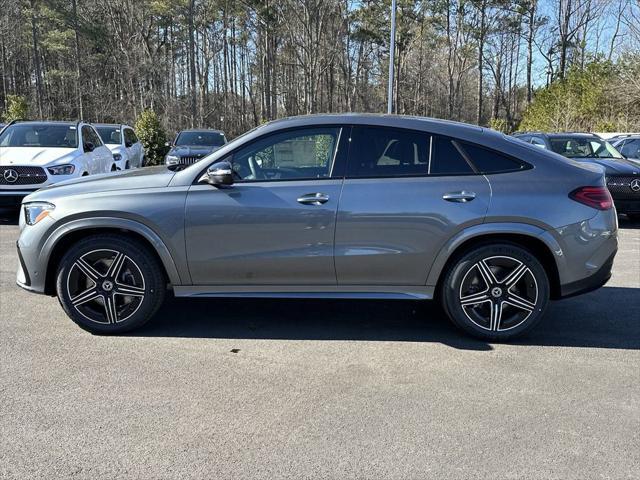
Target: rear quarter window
{"points": [[489, 161]]}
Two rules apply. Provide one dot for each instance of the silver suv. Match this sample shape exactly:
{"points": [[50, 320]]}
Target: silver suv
{"points": [[347, 206]]}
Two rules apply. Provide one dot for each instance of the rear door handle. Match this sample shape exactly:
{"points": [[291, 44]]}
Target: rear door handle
{"points": [[313, 199], [459, 197]]}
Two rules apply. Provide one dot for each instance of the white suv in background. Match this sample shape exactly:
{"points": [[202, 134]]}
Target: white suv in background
{"points": [[39, 153], [124, 145]]}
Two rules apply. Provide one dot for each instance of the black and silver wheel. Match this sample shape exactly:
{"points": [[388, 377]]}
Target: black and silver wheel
{"points": [[110, 284], [496, 292]]}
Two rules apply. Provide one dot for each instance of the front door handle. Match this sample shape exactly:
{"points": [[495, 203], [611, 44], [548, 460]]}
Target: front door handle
{"points": [[459, 197], [313, 199]]}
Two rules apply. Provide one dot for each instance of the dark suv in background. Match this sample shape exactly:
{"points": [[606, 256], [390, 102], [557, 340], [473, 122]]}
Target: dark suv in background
{"points": [[622, 174], [190, 146]]}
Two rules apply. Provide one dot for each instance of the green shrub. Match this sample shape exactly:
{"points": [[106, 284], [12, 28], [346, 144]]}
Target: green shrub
{"points": [[152, 136], [17, 108]]}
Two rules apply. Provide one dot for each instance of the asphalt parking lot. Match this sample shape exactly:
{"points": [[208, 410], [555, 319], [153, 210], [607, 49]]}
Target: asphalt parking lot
{"points": [[340, 389]]}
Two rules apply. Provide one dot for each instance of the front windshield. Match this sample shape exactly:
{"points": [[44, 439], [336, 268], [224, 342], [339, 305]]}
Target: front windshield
{"points": [[110, 135], [205, 139], [588, 147], [39, 135]]}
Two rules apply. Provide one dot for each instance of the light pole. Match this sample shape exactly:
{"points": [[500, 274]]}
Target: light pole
{"points": [[392, 51]]}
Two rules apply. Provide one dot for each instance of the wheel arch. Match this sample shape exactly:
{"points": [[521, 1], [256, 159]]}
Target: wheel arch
{"points": [[530, 237], [62, 238]]}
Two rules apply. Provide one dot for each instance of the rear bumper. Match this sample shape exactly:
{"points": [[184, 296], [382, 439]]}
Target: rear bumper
{"points": [[593, 282]]}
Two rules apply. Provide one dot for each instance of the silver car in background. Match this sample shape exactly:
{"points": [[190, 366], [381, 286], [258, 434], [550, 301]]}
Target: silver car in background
{"points": [[330, 206]]}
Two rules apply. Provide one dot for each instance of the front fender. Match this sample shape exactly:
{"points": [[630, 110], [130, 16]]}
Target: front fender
{"points": [[484, 229], [117, 223]]}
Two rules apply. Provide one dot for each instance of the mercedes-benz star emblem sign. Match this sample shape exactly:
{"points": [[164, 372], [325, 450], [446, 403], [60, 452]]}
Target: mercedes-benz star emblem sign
{"points": [[11, 176], [635, 185]]}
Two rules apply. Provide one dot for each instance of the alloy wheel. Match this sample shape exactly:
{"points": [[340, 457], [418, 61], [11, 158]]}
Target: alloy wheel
{"points": [[105, 286], [498, 293]]}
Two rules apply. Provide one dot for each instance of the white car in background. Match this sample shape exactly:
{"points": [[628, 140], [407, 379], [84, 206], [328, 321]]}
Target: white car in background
{"points": [[127, 150], [39, 153]]}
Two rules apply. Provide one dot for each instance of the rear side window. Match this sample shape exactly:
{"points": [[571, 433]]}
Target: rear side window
{"points": [[447, 159], [490, 161], [387, 152]]}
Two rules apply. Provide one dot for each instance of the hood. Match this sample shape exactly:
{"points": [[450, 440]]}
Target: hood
{"points": [[614, 166], [149, 177], [36, 156], [192, 150], [115, 148]]}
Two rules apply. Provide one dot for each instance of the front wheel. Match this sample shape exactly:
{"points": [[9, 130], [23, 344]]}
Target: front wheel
{"points": [[110, 284], [496, 292]]}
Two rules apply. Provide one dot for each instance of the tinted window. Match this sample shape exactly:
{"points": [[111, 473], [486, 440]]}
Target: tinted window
{"points": [[39, 135], [631, 148], [297, 154], [109, 135], [129, 136], [538, 142], [205, 139], [446, 159], [489, 161], [387, 152]]}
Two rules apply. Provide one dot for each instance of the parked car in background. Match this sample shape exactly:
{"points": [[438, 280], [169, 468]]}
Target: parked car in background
{"points": [[628, 145], [190, 146], [127, 150], [330, 206], [36, 154], [622, 175]]}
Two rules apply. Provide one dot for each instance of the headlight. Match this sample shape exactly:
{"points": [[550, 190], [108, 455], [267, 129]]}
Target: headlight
{"points": [[172, 160], [36, 211], [61, 170], [117, 157]]}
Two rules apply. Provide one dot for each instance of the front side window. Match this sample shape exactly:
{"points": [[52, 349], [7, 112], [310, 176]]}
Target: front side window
{"points": [[39, 135], [387, 152], [573, 147], [110, 135], [538, 142], [631, 148], [297, 154]]}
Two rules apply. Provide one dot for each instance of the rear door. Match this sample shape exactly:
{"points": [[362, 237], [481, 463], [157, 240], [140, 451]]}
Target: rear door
{"points": [[405, 194]]}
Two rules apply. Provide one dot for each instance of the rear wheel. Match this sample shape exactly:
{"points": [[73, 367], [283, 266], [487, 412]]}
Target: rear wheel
{"points": [[110, 284], [496, 292]]}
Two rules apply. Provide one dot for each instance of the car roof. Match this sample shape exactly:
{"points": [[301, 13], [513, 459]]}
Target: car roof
{"points": [[120, 125], [202, 130], [44, 122]]}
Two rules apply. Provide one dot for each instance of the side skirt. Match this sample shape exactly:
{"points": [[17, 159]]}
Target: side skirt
{"points": [[394, 292]]}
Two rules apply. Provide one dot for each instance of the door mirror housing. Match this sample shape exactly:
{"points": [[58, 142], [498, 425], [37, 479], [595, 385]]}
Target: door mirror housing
{"points": [[128, 144], [89, 147], [219, 174]]}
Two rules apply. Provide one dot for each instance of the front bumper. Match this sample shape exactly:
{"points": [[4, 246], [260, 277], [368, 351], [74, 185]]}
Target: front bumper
{"points": [[624, 205], [13, 198]]}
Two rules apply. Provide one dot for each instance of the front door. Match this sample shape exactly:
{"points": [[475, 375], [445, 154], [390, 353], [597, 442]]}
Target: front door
{"points": [[276, 224], [405, 194]]}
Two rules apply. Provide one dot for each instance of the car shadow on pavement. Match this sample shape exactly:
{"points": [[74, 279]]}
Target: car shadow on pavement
{"points": [[606, 318]]}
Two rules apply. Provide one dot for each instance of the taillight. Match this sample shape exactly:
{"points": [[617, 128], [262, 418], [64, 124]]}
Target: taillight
{"points": [[594, 197]]}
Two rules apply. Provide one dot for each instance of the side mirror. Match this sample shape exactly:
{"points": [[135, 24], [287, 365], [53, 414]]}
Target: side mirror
{"points": [[128, 144], [89, 147], [219, 174]]}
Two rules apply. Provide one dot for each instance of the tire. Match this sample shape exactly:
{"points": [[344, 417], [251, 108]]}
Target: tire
{"points": [[114, 167], [500, 302], [109, 284]]}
